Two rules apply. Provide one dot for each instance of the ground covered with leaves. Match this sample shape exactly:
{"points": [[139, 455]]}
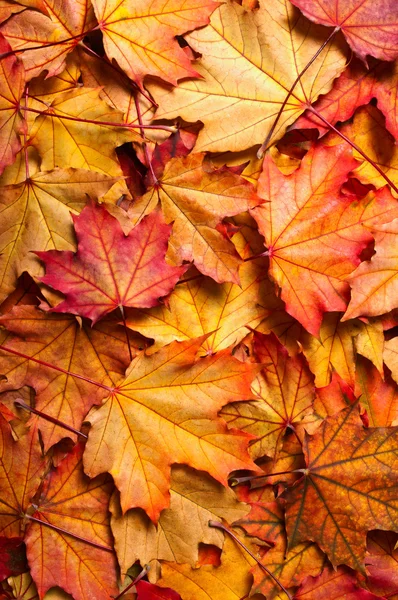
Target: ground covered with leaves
{"points": [[199, 299]]}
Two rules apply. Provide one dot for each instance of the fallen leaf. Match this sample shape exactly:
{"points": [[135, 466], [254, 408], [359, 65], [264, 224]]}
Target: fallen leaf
{"points": [[266, 50], [140, 36], [71, 506], [98, 353], [196, 201], [348, 485], [311, 249], [152, 416], [35, 215], [284, 393], [110, 269], [369, 29], [195, 499]]}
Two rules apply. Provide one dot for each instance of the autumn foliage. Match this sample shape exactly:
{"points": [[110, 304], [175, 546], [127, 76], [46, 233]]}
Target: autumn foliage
{"points": [[199, 299]]}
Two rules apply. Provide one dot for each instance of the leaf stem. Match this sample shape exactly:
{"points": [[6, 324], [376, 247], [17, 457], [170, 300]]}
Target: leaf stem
{"points": [[74, 535], [234, 481], [263, 148], [79, 37], [260, 564], [105, 123], [43, 415], [353, 145], [126, 331], [119, 72], [60, 369], [132, 584]]}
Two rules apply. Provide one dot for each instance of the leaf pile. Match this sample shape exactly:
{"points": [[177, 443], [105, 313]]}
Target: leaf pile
{"points": [[199, 299]]}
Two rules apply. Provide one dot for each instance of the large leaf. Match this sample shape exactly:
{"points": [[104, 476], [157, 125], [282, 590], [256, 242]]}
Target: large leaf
{"points": [[374, 283], [349, 484], [110, 269], [314, 235], [230, 581], [12, 80], [249, 62], [195, 499], [98, 353], [166, 412], [284, 393], [65, 21], [45, 199], [369, 28], [77, 506], [196, 199], [21, 469], [140, 35]]}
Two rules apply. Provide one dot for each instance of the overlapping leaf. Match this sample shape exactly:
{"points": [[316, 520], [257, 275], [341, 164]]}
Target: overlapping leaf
{"points": [[194, 500], [196, 200], [368, 31], [140, 36], [35, 216], [78, 508], [98, 353], [21, 469], [284, 394], [374, 283], [66, 22], [249, 62], [314, 236], [166, 412], [230, 581], [110, 269], [350, 486]]}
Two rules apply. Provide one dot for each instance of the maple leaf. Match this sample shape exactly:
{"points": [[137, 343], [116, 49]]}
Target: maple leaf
{"points": [[22, 480], [71, 533], [195, 499], [348, 484], [243, 82], [140, 36], [374, 282], [311, 249], [266, 522], [230, 581], [379, 398], [367, 30], [201, 306], [100, 354], [381, 563], [196, 201], [156, 423], [110, 269], [45, 199], [52, 35], [333, 585], [12, 80], [71, 133], [284, 393]]}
